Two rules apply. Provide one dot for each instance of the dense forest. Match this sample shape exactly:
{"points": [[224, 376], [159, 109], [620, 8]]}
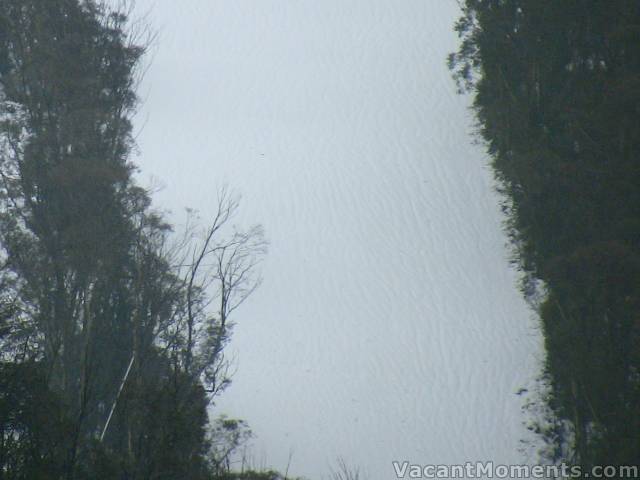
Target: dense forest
{"points": [[112, 325], [556, 90]]}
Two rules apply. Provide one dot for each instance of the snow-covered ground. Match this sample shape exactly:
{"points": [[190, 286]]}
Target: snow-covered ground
{"points": [[388, 326]]}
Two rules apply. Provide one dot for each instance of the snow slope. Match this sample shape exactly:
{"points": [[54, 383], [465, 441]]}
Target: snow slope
{"points": [[388, 326]]}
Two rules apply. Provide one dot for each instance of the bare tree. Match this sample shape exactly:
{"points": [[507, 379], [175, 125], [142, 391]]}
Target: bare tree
{"points": [[221, 274], [211, 272]]}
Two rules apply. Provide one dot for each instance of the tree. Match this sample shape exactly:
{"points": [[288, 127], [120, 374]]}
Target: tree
{"points": [[228, 265], [556, 96], [122, 327], [227, 436]]}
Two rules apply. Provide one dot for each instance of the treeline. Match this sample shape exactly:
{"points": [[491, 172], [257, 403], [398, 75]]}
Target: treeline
{"points": [[112, 326], [557, 98]]}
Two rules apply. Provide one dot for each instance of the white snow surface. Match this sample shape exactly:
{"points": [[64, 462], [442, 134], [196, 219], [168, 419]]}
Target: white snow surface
{"points": [[389, 325]]}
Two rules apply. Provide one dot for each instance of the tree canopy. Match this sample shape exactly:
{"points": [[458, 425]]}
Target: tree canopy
{"points": [[556, 90], [112, 326]]}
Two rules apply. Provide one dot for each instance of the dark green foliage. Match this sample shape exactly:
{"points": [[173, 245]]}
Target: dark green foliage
{"points": [[33, 424], [99, 378], [557, 97]]}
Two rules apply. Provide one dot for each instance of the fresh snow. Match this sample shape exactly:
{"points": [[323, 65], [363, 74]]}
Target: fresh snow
{"points": [[389, 326]]}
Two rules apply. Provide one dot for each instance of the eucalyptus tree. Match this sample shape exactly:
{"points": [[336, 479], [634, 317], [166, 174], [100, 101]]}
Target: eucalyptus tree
{"points": [[556, 96], [109, 326]]}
